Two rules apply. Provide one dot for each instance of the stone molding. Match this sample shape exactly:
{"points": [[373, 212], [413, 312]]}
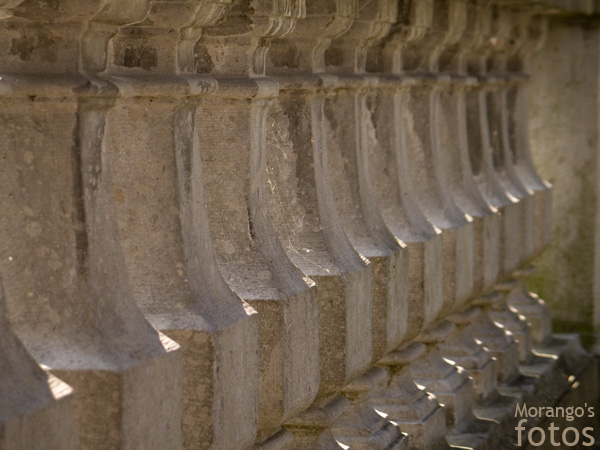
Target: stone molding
{"points": [[271, 224]]}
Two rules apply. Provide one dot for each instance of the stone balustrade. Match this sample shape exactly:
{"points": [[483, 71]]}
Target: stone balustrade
{"points": [[282, 224]]}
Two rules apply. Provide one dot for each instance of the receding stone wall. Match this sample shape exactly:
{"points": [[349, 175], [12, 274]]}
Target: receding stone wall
{"points": [[564, 136], [283, 224]]}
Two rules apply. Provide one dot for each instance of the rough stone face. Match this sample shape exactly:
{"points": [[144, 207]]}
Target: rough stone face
{"points": [[276, 225], [567, 119], [37, 409]]}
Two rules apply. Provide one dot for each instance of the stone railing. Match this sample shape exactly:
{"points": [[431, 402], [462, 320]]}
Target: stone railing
{"points": [[283, 224]]}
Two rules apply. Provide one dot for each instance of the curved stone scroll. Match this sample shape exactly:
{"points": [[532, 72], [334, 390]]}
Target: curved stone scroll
{"points": [[42, 38], [533, 33], [503, 29], [174, 275], [37, 410], [423, 156], [238, 45], [424, 150], [453, 132], [349, 132], [252, 260], [401, 214], [70, 301], [101, 29], [163, 42], [305, 218], [156, 132], [537, 201], [349, 53], [303, 50], [306, 222], [209, 12], [376, 132], [248, 251], [394, 195], [481, 149]]}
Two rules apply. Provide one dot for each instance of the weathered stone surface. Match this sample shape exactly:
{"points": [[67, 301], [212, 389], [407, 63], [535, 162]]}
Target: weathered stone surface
{"points": [[567, 119], [500, 344], [37, 410], [461, 348], [350, 135], [416, 412], [70, 300], [329, 205], [67, 292]]}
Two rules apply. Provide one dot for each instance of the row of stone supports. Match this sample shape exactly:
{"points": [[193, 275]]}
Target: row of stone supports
{"points": [[269, 224]]}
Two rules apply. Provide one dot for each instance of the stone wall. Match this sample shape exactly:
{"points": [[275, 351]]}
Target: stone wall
{"points": [[564, 138], [282, 224]]}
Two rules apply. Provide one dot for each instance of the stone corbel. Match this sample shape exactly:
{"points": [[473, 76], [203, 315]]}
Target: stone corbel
{"points": [[386, 167], [153, 45], [536, 203], [303, 50], [420, 151], [248, 252], [481, 149], [305, 215], [348, 152], [504, 29], [100, 30], [511, 228], [37, 410], [308, 225], [533, 32], [425, 153], [460, 345], [157, 131], [208, 14], [448, 23], [349, 52], [71, 303], [454, 137], [414, 19], [394, 195], [251, 258], [43, 38], [348, 149], [239, 45]]}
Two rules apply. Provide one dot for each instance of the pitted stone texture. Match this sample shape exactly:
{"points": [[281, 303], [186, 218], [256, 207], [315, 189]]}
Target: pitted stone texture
{"points": [[452, 388], [348, 156], [305, 220], [361, 426], [70, 299], [399, 209], [37, 410], [253, 261], [169, 255], [417, 413]]}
